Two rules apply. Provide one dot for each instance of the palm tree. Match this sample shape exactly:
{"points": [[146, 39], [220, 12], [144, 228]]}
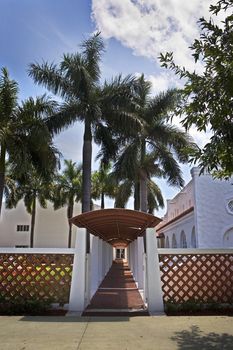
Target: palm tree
{"points": [[100, 107], [32, 190], [103, 184], [77, 81], [156, 150], [24, 136], [8, 104], [67, 190], [127, 188]]}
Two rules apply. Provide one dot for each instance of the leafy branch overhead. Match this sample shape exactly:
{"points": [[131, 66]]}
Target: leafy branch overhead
{"points": [[207, 97]]}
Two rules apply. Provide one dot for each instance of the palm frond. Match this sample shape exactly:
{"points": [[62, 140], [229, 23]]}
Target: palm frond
{"points": [[155, 191], [170, 167], [123, 194], [127, 164], [92, 50], [159, 106], [51, 77], [8, 96]]}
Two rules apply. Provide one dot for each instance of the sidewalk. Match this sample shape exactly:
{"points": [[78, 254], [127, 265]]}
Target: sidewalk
{"points": [[95, 333]]}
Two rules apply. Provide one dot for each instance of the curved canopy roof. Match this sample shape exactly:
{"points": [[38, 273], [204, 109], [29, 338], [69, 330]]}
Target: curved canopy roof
{"points": [[118, 227]]}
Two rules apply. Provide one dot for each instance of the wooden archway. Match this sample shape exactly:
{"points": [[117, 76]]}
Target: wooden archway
{"points": [[116, 226]]}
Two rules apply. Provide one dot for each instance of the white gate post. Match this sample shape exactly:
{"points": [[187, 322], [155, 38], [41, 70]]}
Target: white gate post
{"points": [[154, 285], [77, 289]]}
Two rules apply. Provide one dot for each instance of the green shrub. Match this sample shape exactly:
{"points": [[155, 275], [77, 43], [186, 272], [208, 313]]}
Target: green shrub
{"points": [[23, 307], [193, 306]]}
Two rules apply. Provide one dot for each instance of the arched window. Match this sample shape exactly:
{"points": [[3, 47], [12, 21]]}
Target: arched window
{"points": [[167, 242], [228, 239], [193, 239], [183, 241], [161, 240], [174, 242]]}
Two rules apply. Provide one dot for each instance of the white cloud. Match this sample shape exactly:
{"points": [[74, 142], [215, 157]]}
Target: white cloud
{"points": [[163, 81], [149, 27]]}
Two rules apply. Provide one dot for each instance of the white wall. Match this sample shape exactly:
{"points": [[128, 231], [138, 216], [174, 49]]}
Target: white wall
{"points": [[212, 215], [51, 227], [185, 223], [180, 203]]}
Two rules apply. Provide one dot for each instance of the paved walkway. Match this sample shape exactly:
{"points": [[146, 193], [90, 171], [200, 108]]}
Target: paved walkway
{"points": [[117, 292], [95, 333]]}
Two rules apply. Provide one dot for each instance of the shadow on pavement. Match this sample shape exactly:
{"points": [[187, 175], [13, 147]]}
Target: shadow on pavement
{"points": [[64, 319], [196, 339]]}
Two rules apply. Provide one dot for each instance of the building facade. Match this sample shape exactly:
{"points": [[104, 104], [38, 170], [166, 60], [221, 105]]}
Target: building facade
{"points": [[51, 227], [199, 216]]}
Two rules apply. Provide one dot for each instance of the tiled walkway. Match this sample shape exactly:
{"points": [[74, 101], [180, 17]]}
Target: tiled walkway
{"points": [[117, 293]]}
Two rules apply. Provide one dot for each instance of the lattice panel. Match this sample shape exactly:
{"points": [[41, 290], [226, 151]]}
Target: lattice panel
{"points": [[36, 276], [200, 277]]}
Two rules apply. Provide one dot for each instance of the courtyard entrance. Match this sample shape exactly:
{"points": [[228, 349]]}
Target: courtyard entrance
{"points": [[114, 267], [118, 294]]}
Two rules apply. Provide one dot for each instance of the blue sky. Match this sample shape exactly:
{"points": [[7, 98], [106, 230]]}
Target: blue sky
{"points": [[135, 32]]}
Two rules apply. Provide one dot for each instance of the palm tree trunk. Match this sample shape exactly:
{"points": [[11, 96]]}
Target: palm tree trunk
{"points": [[143, 181], [102, 200], [136, 195], [143, 188], [70, 210], [2, 173], [143, 193], [33, 218], [86, 176]]}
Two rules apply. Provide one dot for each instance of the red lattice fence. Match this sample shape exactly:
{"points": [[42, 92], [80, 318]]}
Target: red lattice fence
{"points": [[36, 276], [202, 278]]}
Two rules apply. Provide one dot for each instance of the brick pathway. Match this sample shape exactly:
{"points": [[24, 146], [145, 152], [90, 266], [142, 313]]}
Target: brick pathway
{"points": [[118, 292]]}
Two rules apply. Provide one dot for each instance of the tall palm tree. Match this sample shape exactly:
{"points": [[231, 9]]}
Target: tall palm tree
{"points": [[24, 135], [77, 80], [32, 190], [67, 190], [156, 150]]}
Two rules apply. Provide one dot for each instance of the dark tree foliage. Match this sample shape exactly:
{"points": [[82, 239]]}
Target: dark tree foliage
{"points": [[208, 97]]}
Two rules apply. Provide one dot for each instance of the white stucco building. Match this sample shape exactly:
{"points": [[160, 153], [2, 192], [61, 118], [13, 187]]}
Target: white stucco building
{"points": [[201, 215], [51, 227]]}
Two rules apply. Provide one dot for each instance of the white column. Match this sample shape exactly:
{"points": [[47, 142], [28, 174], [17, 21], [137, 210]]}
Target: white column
{"points": [[129, 255], [104, 259], [109, 256], [140, 262], [77, 289], [154, 285], [100, 262], [114, 253], [94, 265], [132, 257], [136, 261]]}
